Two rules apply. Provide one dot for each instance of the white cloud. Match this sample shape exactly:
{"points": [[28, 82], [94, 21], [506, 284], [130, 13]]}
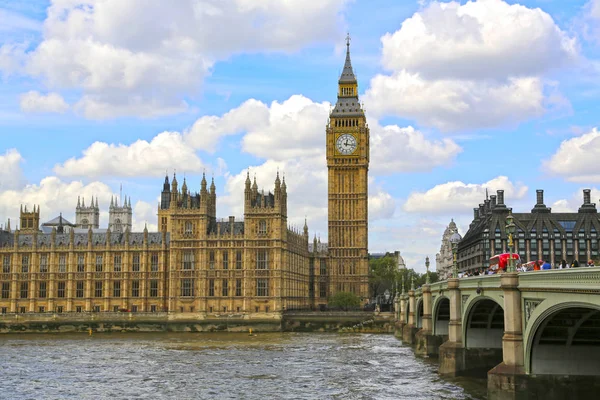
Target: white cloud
{"points": [[150, 70], [35, 102], [53, 196], [451, 105], [144, 214], [595, 9], [576, 158], [573, 202], [381, 204], [487, 39], [477, 65], [461, 198], [11, 175], [141, 158], [396, 149]]}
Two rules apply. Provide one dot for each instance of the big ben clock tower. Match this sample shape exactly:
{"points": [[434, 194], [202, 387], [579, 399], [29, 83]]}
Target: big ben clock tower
{"points": [[348, 172]]}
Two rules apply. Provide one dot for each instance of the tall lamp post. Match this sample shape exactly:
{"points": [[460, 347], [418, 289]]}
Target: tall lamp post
{"points": [[427, 281], [454, 239], [510, 230]]}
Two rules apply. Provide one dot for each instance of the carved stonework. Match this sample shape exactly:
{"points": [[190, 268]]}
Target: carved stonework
{"points": [[465, 297], [530, 305]]}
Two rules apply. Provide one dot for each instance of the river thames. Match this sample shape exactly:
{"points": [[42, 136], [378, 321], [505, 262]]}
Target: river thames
{"points": [[220, 366]]}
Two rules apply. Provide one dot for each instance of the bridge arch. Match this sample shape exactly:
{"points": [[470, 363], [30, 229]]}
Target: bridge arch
{"points": [[483, 323], [419, 313], [563, 339], [441, 315]]}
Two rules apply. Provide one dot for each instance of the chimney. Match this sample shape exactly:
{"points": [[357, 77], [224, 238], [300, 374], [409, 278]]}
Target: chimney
{"points": [[475, 214], [481, 210], [540, 197], [500, 197], [493, 200], [587, 198]]}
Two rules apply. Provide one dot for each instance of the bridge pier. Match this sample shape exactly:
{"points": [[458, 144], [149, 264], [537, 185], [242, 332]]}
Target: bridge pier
{"points": [[401, 317], [426, 343], [452, 355], [410, 329]]}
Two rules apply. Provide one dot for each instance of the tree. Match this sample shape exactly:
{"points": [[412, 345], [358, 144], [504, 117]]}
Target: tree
{"points": [[382, 274], [344, 301]]}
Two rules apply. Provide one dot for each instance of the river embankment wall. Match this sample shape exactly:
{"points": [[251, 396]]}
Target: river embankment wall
{"points": [[197, 322]]}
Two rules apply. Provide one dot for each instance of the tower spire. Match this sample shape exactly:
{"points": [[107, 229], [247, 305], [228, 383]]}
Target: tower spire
{"points": [[348, 73]]}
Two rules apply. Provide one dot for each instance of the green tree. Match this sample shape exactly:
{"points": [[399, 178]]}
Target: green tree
{"points": [[382, 274], [344, 301]]}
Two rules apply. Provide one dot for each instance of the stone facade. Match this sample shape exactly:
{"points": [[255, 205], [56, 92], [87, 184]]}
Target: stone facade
{"points": [[443, 259], [120, 217]]}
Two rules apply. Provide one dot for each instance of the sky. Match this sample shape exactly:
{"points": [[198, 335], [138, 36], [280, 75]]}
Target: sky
{"points": [[461, 97]]}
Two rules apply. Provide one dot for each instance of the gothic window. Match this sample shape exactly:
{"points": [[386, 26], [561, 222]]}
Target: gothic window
{"points": [[117, 289], [188, 260], [98, 289], [135, 266], [188, 228], [61, 289], [25, 263], [43, 263], [211, 287], [154, 288], [238, 259], [135, 288], [117, 225], [238, 287], [84, 223], [80, 263], [262, 287], [42, 290], [225, 259], [323, 267], [154, 262], [24, 289], [262, 227], [117, 263], [211, 259], [6, 264], [62, 263], [262, 260], [225, 288], [5, 290], [322, 290], [79, 289], [98, 263]]}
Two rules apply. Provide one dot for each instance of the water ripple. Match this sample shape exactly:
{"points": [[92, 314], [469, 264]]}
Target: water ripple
{"points": [[218, 366]]}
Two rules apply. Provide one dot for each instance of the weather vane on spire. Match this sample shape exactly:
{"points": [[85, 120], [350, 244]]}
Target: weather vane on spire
{"points": [[348, 39]]}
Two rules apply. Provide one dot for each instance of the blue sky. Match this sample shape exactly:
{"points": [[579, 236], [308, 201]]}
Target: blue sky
{"points": [[461, 96]]}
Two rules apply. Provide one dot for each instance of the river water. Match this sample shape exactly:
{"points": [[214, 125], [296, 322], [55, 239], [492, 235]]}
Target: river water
{"points": [[220, 366]]}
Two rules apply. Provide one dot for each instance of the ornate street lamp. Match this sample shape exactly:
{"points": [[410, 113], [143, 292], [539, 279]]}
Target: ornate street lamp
{"points": [[510, 230], [454, 239], [427, 282]]}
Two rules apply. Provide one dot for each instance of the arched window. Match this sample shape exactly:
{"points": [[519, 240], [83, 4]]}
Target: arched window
{"points": [[84, 223], [262, 227], [188, 228]]}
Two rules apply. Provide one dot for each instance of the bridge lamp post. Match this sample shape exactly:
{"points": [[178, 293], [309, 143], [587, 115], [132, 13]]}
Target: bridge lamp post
{"points": [[454, 239], [510, 229], [427, 281]]}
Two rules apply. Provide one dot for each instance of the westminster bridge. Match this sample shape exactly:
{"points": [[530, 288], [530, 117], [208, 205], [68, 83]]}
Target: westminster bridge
{"points": [[535, 334]]}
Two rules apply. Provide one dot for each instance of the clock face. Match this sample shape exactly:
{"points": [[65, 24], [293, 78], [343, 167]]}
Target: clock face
{"points": [[346, 144]]}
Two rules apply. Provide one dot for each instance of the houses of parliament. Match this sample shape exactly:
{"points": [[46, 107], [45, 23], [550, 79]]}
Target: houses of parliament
{"points": [[197, 263]]}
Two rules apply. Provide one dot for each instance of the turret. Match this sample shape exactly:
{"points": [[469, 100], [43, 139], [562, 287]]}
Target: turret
{"points": [[213, 199], [247, 193], [173, 202], [305, 229], [165, 195]]}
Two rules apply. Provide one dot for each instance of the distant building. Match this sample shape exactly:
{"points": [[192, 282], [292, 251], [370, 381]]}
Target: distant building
{"points": [[443, 259], [540, 234], [87, 216], [396, 255]]}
